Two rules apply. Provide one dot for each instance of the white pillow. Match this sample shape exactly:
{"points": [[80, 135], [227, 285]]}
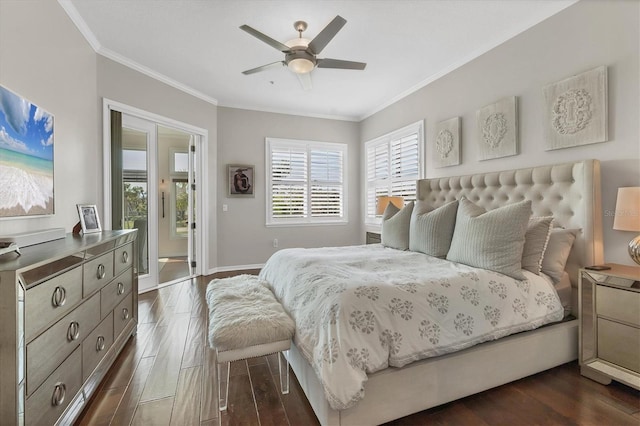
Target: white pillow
{"points": [[535, 243], [395, 226], [430, 232], [557, 253], [491, 239]]}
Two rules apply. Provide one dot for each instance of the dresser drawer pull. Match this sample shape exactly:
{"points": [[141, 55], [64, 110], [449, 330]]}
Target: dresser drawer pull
{"points": [[101, 271], [59, 296], [125, 257], [100, 344], [125, 313], [59, 392], [73, 332], [120, 289]]}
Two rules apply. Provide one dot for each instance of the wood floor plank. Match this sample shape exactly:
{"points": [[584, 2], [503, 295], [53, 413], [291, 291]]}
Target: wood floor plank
{"points": [[163, 379], [122, 371], [129, 402], [267, 396], [100, 413], [295, 403], [156, 413], [241, 407], [195, 344], [209, 404], [185, 299], [186, 405]]}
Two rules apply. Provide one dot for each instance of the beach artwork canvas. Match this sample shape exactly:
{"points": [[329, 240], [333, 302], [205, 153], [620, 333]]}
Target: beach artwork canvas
{"points": [[26, 157]]}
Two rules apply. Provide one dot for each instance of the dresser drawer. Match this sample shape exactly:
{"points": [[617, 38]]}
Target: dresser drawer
{"points": [[115, 291], [123, 258], [122, 315], [96, 345], [619, 344], [49, 401], [49, 349], [96, 273], [48, 302], [618, 304]]}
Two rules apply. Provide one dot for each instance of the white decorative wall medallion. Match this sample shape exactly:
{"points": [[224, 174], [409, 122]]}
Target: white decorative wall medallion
{"points": [[447, 143], [576, 110], [497, 126], [444, 143], [572, 111], [494, 129]]}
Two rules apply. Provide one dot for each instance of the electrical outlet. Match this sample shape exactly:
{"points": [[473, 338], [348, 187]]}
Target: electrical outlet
{"points": [[225, 207], [275, 243]]}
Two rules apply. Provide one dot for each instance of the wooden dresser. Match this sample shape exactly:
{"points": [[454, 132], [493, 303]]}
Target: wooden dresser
{"points": [[67, 308]]}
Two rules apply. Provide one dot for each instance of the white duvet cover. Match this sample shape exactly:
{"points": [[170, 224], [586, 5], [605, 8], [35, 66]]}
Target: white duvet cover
{"points": [[364, 308]]}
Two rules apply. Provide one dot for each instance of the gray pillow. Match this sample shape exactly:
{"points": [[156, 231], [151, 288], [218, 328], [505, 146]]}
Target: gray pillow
{"points": [[491, 239], [430, 232], [535, 243], [557, 253], [395, 226]]}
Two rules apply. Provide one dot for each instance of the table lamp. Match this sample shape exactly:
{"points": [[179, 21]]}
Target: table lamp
{"points": [[627, 217], [384, 200]]}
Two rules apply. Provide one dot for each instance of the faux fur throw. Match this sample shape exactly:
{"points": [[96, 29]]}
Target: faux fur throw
{"points": [[244, 312]]}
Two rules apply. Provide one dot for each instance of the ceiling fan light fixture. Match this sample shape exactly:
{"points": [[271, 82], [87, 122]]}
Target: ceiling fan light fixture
{"points": [[301, 65]]}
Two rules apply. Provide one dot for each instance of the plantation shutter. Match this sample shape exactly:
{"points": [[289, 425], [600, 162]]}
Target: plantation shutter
{"points": [[393, 166], [305, 181], [289, 182], [326, 183]]}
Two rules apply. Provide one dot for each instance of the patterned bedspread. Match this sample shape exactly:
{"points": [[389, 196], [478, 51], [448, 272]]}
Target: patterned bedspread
{"points": [[364, 308]]}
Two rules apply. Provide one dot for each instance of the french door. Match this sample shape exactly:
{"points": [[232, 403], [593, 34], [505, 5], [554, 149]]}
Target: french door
{"points": [[139, 186]]}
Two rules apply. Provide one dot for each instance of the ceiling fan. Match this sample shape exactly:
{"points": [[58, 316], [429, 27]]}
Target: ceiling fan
{"points": [[301, 53]]}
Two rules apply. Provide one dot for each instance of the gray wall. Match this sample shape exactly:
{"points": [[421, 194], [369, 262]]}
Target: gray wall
{"points": [[583, 36], [44, 59], [243, 237]]}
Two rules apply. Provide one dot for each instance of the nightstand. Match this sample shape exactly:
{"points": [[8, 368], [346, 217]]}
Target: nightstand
{"points": [[609, 309], [373, 238]]}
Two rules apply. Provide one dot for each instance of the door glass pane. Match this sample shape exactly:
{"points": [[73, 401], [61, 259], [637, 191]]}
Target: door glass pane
{"points": [[135, 191]]}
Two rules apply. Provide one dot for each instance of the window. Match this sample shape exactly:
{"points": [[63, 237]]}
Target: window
{"points": [[305, 182], [179, 170], [134, 181], [393, 164]]}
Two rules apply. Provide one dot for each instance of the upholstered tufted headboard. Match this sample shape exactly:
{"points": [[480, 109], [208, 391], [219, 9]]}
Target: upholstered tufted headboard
{"points": [[570, 192]]}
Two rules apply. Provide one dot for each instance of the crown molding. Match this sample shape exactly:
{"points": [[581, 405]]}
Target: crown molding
{"points": [[283, 111], [86, 32]]}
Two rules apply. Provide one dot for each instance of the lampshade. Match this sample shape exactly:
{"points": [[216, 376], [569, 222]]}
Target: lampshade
{"points": [[384, 200], [627, 216], [300, 65]]}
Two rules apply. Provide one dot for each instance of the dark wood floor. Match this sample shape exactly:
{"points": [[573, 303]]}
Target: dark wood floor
{"points": [[173, 268], [165, 376]]}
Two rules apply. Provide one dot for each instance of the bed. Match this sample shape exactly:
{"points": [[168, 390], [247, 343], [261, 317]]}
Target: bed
{"points": [[417, 378]]}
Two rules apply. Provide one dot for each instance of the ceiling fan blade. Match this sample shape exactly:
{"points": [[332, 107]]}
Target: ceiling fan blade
{"points": [[305, 80], [263, 67], [327, 34], [265, 38], [340, 64]]}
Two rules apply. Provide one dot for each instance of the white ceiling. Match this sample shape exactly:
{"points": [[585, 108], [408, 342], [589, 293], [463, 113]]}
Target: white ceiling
{"points": [[198, 47]]}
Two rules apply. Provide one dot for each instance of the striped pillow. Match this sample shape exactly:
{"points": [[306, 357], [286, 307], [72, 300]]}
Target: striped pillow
{"points": [[431, 232], [491, 239]]}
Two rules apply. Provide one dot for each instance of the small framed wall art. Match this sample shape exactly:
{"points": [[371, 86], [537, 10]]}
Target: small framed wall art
{"points": [[89, 219], [498, 129], [576, 110], [447, 143], [240, 180]]}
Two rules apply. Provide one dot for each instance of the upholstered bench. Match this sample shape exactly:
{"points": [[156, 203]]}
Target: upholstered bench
{"points": [[246, 321]]}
